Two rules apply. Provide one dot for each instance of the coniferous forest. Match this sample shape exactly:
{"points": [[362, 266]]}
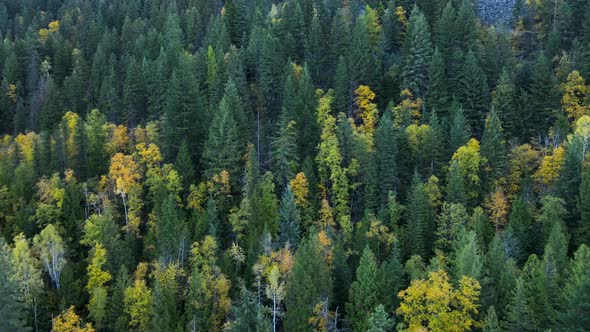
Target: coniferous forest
{"points": [[295, 165]]}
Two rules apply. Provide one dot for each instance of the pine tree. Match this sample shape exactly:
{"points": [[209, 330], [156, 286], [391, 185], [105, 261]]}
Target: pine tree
{"points": [[468, 256], [309, 284], [222, 150], [493, 146], [386, 154], [437, 97], [473, 91], [418, 52], [491, 323], [444, 30], [460, 131], [379, 321], [575, 292], [342, 276], [117, 320], [464, 35], [342, 97], [289, 219], [519, 317], [364, 292], [500, 276], [11, 309], [504, 103], [184, 164], [285, 150], [420, 220], [170, 234], [543, 97], [583, 231], [455, 185], [183, 111], [392, 278]]}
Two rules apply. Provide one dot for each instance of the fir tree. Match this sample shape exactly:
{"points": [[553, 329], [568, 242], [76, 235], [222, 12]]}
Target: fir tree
{"points": [[364, 292], [309, 284], [418, 52], [379, 321], [473, 90], [493, 146], [386, 154], [289, 219], [420, 220], [437, 97], [504, 103], [11, 309]]}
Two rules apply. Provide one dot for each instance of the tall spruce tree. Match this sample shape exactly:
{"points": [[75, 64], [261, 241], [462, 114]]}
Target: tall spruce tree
{"points": [[420, 223], [417, 52]]}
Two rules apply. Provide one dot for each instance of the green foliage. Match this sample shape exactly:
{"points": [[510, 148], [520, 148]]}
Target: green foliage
{"points": [[310, 282], [364, 292]]}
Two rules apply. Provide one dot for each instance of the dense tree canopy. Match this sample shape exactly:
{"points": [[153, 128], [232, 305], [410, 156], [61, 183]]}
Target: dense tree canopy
{"points": [[294, 165]]}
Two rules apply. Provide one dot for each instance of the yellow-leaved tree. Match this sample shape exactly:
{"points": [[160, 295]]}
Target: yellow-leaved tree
{"points": [[470, 163], [69, 321], [433, 304], [576, 96], [124, 174]]}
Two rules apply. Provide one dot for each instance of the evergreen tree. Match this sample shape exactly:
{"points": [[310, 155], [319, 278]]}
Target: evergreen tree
{"points": [[285, 153], [420, 220], [290, 220], [11, 309], [386, 154], [379, 321], [518, 316], [309, 284], [504, 103], [183, 111], [392, 279], [459, 132], [583, 231], [437, 97], [170, 233], [520, 226], [184, 164], [455, 185], [473, 90], [417, 52], [364, 292], [222, 150], [543, 99], [342, 276], [493, 146]]}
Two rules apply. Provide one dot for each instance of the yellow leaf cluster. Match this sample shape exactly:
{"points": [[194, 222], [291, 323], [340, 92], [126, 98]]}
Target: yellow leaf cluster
{"points": [[470, 161], [548, 173], [69, 321], [522, 161], [124, 173], [497, 207], [12, 92], [300, 189], [149, 155], [367, 111], [408, 110], [120, 139], [219, 184], [433, 304], [576, 96], [53, 27], [197, 197]]}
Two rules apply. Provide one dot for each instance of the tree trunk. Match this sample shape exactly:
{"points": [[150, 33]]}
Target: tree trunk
{"points": [[126, 214]]}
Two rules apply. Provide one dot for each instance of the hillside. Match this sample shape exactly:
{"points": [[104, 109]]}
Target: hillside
{"points": [[296, 165]]}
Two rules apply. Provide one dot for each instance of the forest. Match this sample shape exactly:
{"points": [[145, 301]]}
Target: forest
{"points": [[295, 165]]}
